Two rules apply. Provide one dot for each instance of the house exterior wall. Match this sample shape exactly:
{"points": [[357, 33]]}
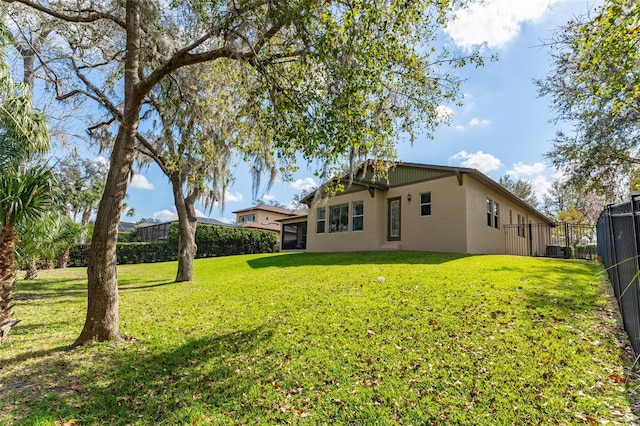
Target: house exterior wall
{"points": [[367, 239], [261, 216], [443, 230], [457, 223], [485, 239]]}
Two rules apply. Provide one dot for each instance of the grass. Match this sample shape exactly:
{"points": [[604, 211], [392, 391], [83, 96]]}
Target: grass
{"points": [[358, 338]]}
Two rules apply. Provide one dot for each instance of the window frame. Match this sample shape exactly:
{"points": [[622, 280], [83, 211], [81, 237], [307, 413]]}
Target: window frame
{"points": [[245, 218], [425, 204], [322, 220], [340, 209], [355, 216]]}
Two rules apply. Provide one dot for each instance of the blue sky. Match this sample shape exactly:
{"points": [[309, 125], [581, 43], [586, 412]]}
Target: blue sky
{"points": [[502, 128]]}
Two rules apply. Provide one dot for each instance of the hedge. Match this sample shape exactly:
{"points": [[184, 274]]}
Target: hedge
{"points": [[211, 241]]}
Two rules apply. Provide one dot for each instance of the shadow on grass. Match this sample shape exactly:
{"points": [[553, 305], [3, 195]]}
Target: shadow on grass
{"points": [[563, 288], [133, 385], [35, 355], [34, 290], [129, 285], [355, 258]]}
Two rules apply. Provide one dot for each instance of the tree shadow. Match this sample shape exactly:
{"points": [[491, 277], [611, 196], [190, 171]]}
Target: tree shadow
{"points": [[133, 285], [129, 384], [35, 355], [569, 292], [355, 258]]}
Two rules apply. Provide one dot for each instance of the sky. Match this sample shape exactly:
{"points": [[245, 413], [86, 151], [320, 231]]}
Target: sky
{"points": [[503, 126]]}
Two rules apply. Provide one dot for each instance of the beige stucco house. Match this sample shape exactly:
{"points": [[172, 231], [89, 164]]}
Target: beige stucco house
{"points": [[420, 207], [263, 216]]}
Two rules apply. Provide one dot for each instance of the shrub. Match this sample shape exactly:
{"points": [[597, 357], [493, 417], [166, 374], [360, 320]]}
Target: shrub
{"points": [[126, 237], [211, 241], [128, 253]]}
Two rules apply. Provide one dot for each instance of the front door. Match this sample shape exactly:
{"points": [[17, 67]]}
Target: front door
{"points": [[393, 214]]}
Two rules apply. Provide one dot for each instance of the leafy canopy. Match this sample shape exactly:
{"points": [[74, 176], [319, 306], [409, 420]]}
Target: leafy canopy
{"points": [[595, 87]]}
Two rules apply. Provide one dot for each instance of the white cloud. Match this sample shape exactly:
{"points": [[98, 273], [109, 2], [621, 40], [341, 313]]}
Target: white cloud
{"points": [[460, 128], [228, 196], [541, 185], [268, 197], [305, 184], [225, 220], [102, 162], [478, 160], [165, 215], [444, 113], [140, 182], [494, 22], [520, 169], [478, 122]]}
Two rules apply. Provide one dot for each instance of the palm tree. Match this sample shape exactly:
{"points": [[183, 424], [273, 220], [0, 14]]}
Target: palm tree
{"points": [[25, 195], [46, 241], [25, 183]]}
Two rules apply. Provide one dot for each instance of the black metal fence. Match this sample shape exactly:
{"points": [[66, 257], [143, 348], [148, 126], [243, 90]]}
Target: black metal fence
{"points": [[563, 240], [619, 247]]}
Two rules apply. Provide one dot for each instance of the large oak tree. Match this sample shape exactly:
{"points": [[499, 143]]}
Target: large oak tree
{"points": [[336, 80], [594, 85]]}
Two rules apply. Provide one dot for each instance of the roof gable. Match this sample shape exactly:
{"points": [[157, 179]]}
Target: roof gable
{"points": [[404, 174]]}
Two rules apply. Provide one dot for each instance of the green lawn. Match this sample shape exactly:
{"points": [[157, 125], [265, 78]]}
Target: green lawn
{"points": [[355, 338]]}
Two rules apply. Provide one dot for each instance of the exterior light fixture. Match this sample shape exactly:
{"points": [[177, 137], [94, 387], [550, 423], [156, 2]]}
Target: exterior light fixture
{"points": [[409, 197]]}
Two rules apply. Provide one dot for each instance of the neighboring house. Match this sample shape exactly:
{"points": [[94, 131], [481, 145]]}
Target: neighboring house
{"points": [[150, 232], [420, 207], [263, 217], [126, 226]]}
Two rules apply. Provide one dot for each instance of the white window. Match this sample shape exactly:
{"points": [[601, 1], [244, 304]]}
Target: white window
{"points": [[320, 223], [493, 213], [489, 212], [357, 213], [248, 218], [425, 204], [339, 218]]}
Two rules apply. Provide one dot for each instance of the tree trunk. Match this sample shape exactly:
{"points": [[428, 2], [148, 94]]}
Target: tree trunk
{"points": [[102, 321], [31, 272], [7, 279], [187, 223], [63, 260], [86, 217], [28, 58]]}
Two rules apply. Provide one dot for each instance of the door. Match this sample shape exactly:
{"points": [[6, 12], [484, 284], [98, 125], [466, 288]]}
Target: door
{"points": [[393, 214]]}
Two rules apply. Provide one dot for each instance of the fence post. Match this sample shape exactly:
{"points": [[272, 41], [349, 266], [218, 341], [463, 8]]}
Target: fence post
{"points": [[636, 247], [614, 275]]}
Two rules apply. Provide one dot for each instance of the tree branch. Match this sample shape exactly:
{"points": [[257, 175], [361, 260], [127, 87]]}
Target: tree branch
{"points": [[86, 16], [100, 96]]}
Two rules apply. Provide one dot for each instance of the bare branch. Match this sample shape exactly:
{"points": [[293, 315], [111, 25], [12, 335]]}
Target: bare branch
{"points": [[101, 124], [86, 16], [100, 96]]}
